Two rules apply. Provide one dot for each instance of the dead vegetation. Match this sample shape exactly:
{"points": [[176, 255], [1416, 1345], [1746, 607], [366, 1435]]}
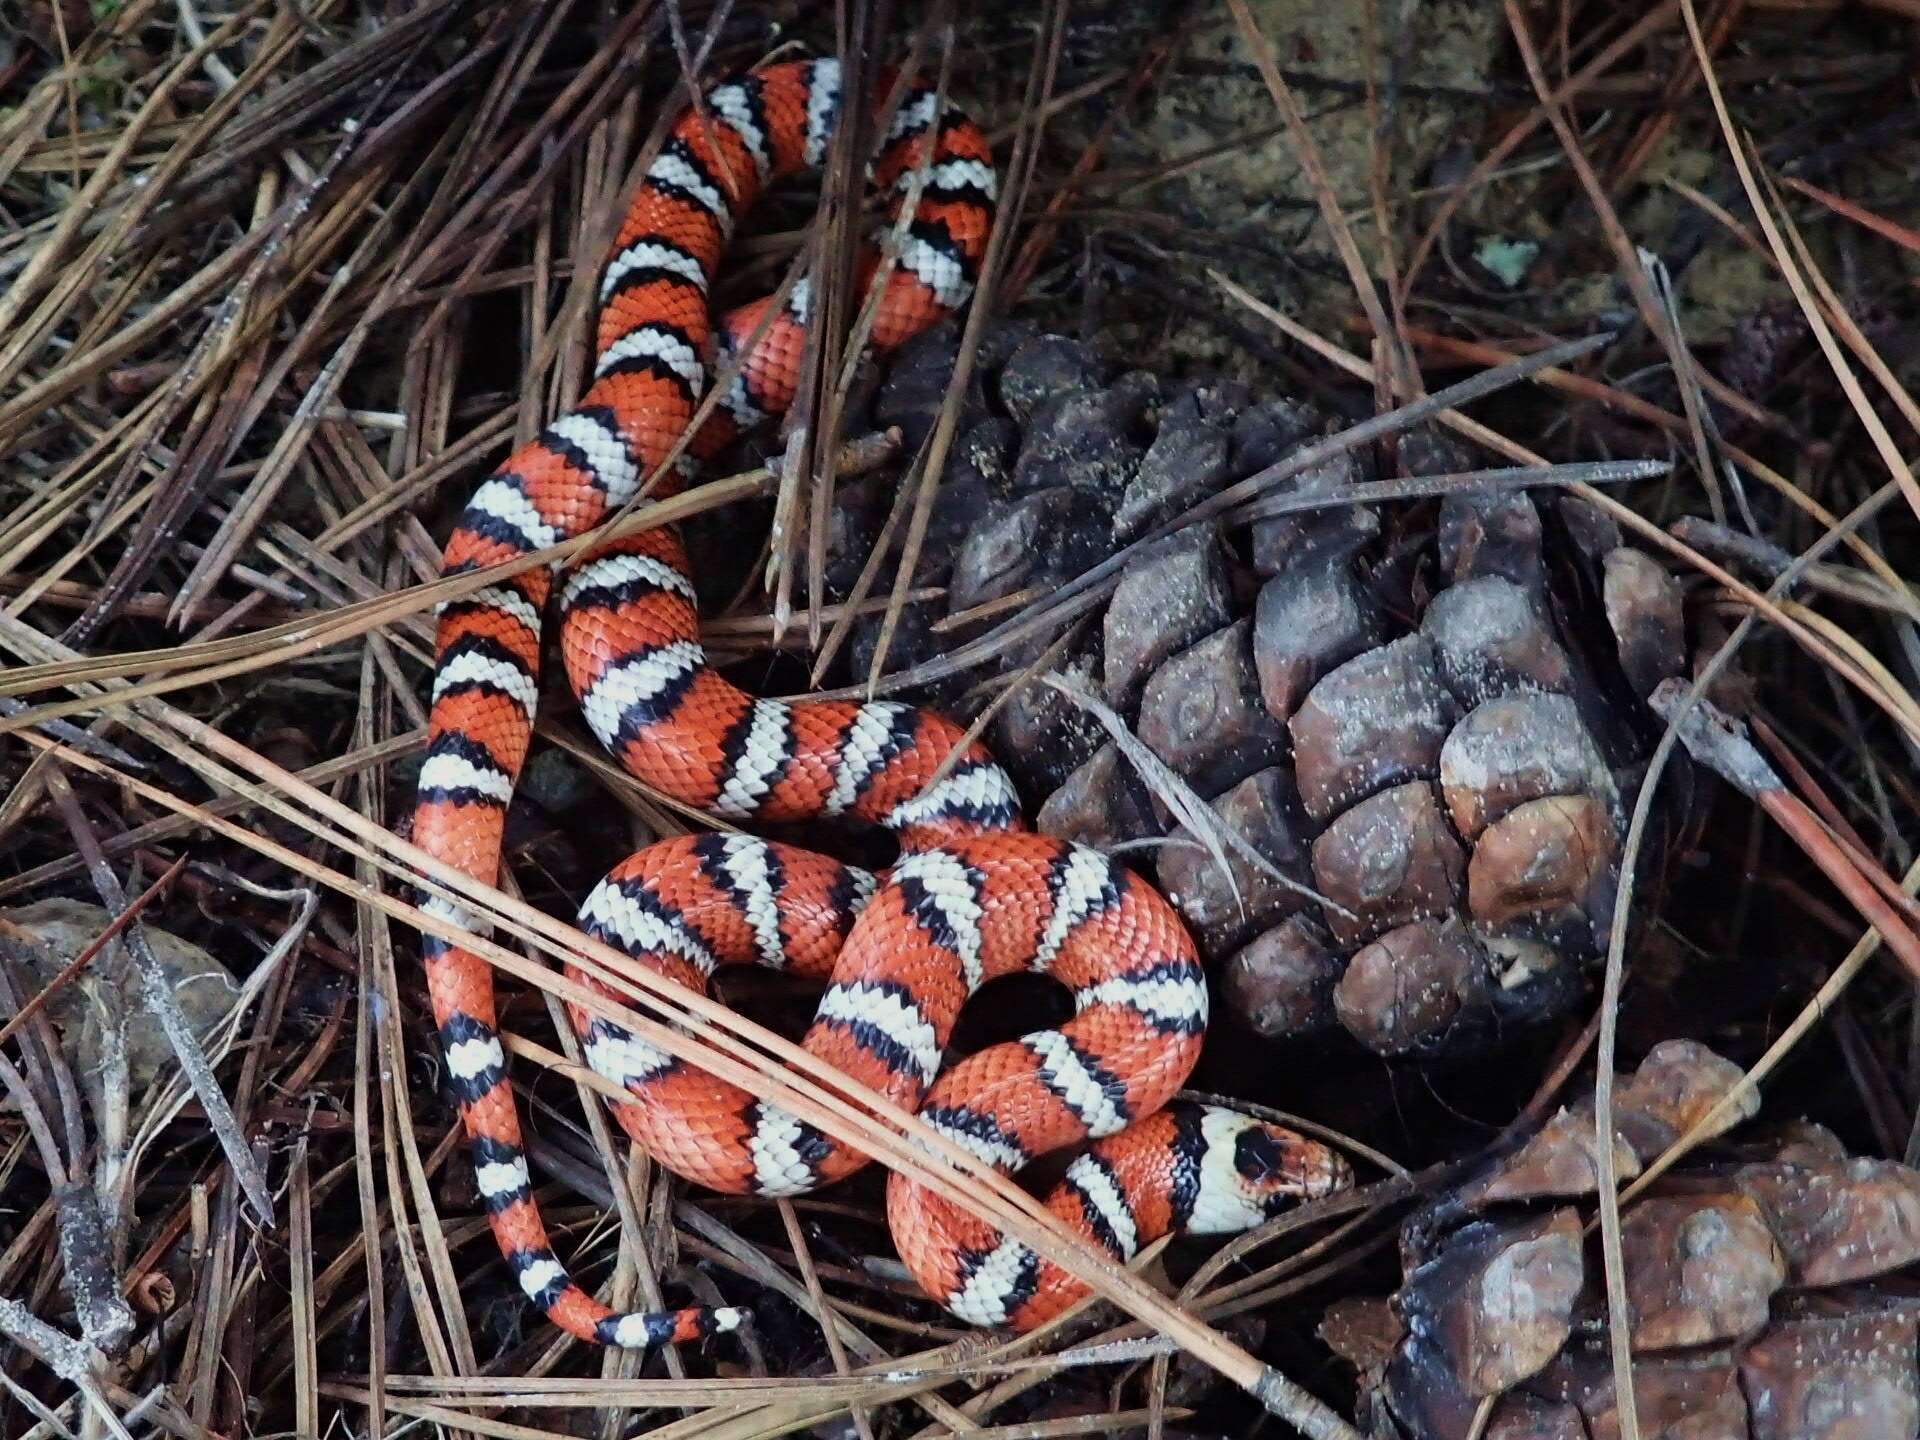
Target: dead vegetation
{"points": [[276, 284]]}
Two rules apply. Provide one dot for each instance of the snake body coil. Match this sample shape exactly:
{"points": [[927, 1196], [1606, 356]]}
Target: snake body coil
{"points": [[973, 897]]}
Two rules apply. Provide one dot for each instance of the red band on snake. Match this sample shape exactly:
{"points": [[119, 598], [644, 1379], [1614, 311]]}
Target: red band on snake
{"points": [[972, 898]]}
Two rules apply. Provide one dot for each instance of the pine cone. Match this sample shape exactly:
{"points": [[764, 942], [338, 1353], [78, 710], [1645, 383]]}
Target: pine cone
{"points": [[1760, 1285], [1418, 715]]}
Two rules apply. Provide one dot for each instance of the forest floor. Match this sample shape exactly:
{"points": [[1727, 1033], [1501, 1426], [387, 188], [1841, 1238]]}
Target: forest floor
{"points": [[279, 282]]}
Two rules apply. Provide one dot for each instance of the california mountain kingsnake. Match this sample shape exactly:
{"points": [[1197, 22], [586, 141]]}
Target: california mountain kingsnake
{"points": [[972, 896]]}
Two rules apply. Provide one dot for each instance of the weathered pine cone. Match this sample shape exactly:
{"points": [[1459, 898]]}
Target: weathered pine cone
{"points": [[1388, 703], [1761, 1284]]}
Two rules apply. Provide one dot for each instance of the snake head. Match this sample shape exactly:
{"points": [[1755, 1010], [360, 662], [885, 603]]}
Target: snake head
{"points": [[1251, 1170], [1279, 1166]]}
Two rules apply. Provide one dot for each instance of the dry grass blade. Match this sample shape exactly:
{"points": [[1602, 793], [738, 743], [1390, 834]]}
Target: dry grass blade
{"points": [[258, 649], [306, 1366], [1763, 212], [817, 1298], [171, 827], [1901, 235], [1654, 19], [1405, 380], [1657, 316], [32, 281], [214, 436]]}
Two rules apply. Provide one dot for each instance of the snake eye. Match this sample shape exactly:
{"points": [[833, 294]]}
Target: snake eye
{"points": [[1258, 1155]]}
